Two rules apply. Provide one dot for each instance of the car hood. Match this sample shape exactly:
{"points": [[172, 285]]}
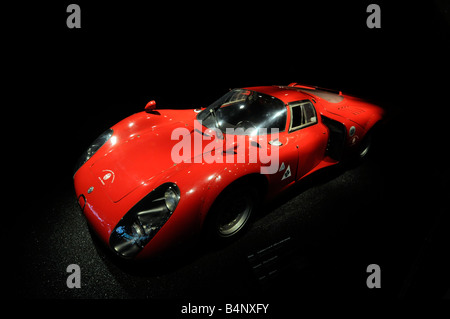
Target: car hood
{"points": [[135, 156]]}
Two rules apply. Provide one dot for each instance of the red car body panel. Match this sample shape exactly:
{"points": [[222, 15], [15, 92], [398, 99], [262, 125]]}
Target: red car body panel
{"points": [[137, 159]]}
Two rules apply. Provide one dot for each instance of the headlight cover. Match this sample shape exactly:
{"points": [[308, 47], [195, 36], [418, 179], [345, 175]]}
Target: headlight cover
{"points": [[171, 198], [94, 147], [141, 223]]}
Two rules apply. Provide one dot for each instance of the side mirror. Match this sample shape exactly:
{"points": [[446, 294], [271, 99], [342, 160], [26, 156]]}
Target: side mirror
{"points": [[150, 106]]}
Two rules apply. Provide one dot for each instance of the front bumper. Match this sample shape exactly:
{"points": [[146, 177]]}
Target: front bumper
{"points": [[103, 215]]}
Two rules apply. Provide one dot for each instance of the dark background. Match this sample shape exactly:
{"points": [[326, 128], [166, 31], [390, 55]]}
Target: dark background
{"points": [[75, 83], [69, 85]]}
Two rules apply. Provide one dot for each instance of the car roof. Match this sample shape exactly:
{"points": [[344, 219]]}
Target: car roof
{"points": [[284, 94], [295, 93]]}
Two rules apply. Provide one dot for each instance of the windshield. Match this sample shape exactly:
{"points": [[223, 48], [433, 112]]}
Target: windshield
{"points": [[245, 109]]}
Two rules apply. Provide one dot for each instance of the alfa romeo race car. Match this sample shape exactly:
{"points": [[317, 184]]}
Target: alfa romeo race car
{"points": [[159, 177]]}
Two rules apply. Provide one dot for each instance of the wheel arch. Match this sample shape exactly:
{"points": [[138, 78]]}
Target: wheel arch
{"points": [[257, 180]]}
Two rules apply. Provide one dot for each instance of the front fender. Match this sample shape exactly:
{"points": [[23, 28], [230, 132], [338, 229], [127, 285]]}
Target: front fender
{"points": [[200, 184]]}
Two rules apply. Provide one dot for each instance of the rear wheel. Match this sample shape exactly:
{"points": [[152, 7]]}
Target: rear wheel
{"points": [[362, 151], [231, 213], [365, 146], [230, 220]]}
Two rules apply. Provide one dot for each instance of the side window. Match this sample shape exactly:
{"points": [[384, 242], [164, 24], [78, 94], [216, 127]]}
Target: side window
{"points": [[296, 116], [302, 114], [310, 114]]}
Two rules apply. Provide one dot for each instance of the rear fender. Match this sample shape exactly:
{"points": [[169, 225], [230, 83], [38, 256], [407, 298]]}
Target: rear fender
{"points": [[209, 186]]}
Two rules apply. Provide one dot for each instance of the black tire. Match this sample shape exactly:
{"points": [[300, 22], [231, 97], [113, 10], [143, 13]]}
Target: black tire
{"points": [[231, 213], [361, 152]]}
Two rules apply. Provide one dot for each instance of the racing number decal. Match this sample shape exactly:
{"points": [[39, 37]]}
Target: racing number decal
{"points": [[287, 173]]}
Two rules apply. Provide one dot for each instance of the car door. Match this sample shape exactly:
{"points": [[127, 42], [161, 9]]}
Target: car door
{"points": [[309, 135]]}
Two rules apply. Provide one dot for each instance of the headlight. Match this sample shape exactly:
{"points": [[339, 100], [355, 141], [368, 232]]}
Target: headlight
{"points": [[144, 220], [171, 198], [95, 146]]}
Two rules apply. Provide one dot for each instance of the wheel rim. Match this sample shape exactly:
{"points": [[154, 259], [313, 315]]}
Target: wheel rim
{"points": [[234, 217], [365, 148]]}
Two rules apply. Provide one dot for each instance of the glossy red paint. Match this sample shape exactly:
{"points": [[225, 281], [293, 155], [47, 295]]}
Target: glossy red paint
{"points": [[150, 106], [137, 159]]}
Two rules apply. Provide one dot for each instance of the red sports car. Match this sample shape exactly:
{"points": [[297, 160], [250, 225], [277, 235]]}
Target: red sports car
{"points": [[158, 177]]}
